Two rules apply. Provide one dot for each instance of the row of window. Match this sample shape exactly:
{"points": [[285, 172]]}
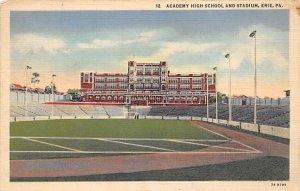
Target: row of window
{"points": [[184, 93], [147, 92], [110, 80], [184, 81], [183, 98], [147, 80], [103, 98], [152, 98], [147, 86], [194, 87], [111, 86]]}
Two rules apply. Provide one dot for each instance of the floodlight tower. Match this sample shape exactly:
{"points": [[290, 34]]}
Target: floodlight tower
{"points": [[229, 96], [26, 88], [253, 35]]}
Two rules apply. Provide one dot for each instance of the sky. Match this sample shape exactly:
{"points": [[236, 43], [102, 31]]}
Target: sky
{"points": [[194, 41]]}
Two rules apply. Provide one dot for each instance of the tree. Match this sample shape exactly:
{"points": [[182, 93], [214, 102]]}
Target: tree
{"points": [[73, 91], [221, 98], [35, 78], [48, 89]]}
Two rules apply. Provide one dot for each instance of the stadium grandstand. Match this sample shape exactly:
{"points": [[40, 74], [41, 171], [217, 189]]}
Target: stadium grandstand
{"points": [[267, 115]]}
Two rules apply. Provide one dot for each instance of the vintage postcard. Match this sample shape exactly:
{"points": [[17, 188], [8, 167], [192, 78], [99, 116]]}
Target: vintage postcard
{"points": [[150, 95]]}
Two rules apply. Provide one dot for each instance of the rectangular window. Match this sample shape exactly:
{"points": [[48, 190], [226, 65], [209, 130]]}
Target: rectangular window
{"points": [[139, 86], [139, 71], [122, 79], [156, 71], [140, 80], [155, 86], [184, 80], [147, 71], [196, 87], [155, 80], [148, 86], [184, 87], [86, 77], [196, 80], [210, 80]]}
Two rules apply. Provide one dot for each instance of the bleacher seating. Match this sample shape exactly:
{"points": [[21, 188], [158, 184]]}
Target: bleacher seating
{"points": [[71, 110], [266, 115], [93, 110], [114, 110]]}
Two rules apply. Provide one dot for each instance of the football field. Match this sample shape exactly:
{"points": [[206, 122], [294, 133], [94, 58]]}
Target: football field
{"points": [[93, 137]]}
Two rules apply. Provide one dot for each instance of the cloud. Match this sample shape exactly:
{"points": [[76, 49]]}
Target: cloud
{"points": [[174, 48], [37, 43], [105, 43], [272, 49]]}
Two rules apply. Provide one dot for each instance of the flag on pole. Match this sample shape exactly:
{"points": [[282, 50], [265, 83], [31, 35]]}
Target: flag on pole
{"points": [[28, 67], [215, 68], [252, 34], [227, 55]]}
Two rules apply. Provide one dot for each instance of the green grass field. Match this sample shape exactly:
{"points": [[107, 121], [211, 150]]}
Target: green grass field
{"points": [[110, 128], [106, 137]]}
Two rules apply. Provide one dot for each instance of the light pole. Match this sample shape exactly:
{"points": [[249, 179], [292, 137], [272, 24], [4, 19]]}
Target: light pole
{"points": [[207, 111], [26, 83], [52, 86], [253, 35], [52, 90], [216, 69], [229, 96]]}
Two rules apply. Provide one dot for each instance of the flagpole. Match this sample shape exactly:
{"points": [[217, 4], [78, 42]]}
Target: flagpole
{"points": [[207, 114], [216, 69]]}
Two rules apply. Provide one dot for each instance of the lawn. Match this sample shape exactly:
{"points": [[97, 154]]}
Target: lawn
{"points": [[110, 128]]}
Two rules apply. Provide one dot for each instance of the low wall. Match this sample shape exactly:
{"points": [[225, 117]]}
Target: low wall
{"points": [[249, 127], [275, 131]]}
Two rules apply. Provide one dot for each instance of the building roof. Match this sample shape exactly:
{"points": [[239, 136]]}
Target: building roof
{"points": [[110, 74], [17, 85]]}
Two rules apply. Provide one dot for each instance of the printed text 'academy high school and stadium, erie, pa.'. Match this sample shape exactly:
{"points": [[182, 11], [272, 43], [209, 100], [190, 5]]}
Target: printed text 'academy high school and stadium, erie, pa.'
{"points": [[220, 5]]}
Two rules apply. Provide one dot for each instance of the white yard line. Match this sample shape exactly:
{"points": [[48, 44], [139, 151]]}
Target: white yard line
{"points": [[137, 145], [68, 148], [125, 139], [213, 132], [137, 152], [46, 152], [254, 149], [214, 146], [116, 140]]}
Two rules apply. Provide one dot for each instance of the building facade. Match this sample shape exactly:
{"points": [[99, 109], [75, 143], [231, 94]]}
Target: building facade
{"points": [[147, 84]]}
